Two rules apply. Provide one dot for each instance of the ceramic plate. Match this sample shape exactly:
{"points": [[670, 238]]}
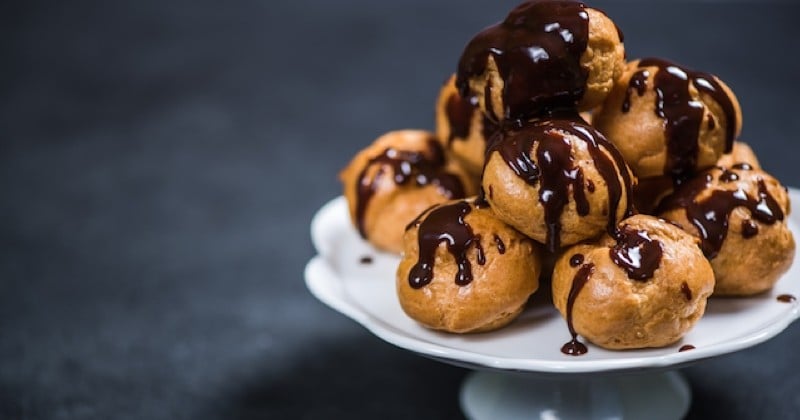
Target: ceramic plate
{"points": [[365, 292]]}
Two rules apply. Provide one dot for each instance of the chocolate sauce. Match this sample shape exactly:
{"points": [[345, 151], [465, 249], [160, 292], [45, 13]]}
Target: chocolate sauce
{"points": [[365, 260], [576, 260], [749, 228], [460, 111], [786, 298], [683, 114], [423, 168], [636, 253], [537, 49], [555, 172], [479, 250], [687, 292], [711, 214], [728, 176], [575, 347], [501, 247], [638, 82], [686, 347], [742, 166], [444, 224]]}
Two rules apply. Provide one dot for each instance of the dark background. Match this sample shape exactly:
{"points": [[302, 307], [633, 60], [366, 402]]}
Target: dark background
{"points": [[160, 163]]}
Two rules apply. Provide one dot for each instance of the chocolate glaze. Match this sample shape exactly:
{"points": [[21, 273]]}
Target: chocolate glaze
{"points": [[686, 347], [555, 172], [446, 224], [638, 82], [636, 253], [711, 214], [575, 347], [728, 176], [423, 168], [786, 298], [479, 250], [687, 292], [684, 114], [460, 111], [537, 49], [749, 229], [501, 247]]}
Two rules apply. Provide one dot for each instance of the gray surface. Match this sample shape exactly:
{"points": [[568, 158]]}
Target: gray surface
{"points": [[160, 162]]}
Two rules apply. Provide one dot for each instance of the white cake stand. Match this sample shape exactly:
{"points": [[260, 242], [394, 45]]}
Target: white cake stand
{"points": [[519, 371]]}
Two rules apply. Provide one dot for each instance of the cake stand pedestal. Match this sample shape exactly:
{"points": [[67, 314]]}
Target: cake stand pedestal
{"points": [[496, 395]]}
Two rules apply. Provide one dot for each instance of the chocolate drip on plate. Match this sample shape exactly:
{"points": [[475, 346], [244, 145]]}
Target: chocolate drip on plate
{"points": [[575, 347], [786, 298], [683, 114], [636, 253], [686, 347], [445, 224], [422, 168], [537, 49]]}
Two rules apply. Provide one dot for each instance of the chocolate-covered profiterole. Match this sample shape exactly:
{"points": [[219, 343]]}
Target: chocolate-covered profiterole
{"points": [[739, 215], [646, 287], [463, 270], [546, 55], [462, 128], [668, 120], [558, 181], [401, 174]]}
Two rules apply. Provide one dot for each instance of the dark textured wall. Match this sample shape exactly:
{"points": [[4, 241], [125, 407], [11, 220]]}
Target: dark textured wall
{"points": [[160, 163]]}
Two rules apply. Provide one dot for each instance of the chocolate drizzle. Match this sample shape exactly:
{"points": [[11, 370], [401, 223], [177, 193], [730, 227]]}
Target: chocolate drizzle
{"points": [[460, 111], [683, 114], [445, 224], [555, 172], [537, 49], [687, 292], [636, 253], [501, 247], [575, 347], [638, 82], [711, 214], [749, 229], [423, 168]]}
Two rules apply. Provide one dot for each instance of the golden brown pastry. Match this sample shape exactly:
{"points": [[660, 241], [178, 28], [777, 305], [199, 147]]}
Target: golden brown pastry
{"points": [[646, 288], [669, 121], [463, 270], [558, 181], [462, 128], [545, 55], [390, 182], [741, 153], [739, 214]]}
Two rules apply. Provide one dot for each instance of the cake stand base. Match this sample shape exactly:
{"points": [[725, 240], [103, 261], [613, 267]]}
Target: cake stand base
{"points": [[492, 395]]}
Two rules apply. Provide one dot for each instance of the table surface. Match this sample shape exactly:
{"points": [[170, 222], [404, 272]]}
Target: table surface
{"points": [[160, 163]]}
